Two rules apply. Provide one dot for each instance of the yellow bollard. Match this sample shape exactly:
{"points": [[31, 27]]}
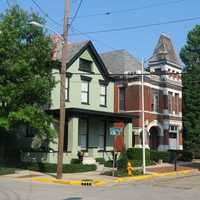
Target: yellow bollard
{"points": [[129, 168]]}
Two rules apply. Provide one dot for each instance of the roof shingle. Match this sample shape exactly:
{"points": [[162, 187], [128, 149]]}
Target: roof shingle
{"points": [[120, 62], [164, 51]]}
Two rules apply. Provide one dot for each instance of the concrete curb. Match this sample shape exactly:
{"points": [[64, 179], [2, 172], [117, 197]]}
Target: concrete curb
{"points": [[68, 182], [102, 182], [152, 175]]}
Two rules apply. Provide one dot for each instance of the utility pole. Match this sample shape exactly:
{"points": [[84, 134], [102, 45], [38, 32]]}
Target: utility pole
{"points": [[143, 128], [62, 91]]}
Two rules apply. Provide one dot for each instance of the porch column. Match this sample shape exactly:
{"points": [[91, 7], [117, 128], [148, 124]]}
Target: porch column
{"points": [[147, 138], [166, 134], [73, 136], [166, 138], [161, 145], [128, 135]]}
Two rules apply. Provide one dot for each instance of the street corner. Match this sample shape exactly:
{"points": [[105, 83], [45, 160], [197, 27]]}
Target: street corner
{"points": [[82, 182], [98, 182]]}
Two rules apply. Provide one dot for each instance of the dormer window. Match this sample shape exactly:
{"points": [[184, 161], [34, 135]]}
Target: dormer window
{"points": [[85, 65]]}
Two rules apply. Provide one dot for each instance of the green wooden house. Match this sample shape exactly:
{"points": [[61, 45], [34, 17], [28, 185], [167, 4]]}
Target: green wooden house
{"points": [[89, 107]]}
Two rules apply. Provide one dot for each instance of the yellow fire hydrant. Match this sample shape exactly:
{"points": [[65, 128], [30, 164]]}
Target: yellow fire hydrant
{"points": [[129, 168]]}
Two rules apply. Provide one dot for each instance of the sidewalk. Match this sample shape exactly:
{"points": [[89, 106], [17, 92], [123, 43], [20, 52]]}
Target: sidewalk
{"points": [[96, 179]]}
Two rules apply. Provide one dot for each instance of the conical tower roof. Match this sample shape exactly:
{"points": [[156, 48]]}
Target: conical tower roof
{"points": [[164, 52]]}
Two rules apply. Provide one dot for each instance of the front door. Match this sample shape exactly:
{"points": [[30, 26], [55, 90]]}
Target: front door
{"points": [[154, 138]]}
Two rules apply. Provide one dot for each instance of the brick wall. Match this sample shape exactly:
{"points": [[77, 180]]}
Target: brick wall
{"points": [[132, 98]]}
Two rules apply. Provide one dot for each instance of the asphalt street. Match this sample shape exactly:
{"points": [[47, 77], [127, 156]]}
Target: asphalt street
{"points": [[183, 188]]}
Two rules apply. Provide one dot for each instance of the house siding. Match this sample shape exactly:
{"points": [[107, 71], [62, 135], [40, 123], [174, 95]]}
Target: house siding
{"points": [[75, 88]]}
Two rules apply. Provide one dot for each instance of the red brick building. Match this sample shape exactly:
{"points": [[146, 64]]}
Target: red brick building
{"points": [[162, 94]]}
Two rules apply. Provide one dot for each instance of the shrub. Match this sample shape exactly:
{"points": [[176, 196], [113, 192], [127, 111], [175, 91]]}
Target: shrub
{"points": [[42, 167], [5, 170], [74, 168], [108, 163], [51, 168], [186, 156], [123, 160], [136, 154], [159, 155], [138, 163], [196, 153], [122, 173], [75, 161], [100, 160]]}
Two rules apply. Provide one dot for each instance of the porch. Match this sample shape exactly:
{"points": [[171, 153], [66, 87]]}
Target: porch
{"points": [[88, 130]]}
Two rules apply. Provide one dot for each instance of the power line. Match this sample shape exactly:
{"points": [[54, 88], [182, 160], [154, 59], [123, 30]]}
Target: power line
{"points": [[73, 19], [140, 26], [45, 13], [90, 38], [76, 13], [108, 13]]}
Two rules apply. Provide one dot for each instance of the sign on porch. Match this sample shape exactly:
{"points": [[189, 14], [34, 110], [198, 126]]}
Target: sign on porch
{"points": [[115, 131]]}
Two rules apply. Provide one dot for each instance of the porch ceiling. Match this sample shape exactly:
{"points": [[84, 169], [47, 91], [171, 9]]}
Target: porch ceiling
{"points": [[92, 113]]}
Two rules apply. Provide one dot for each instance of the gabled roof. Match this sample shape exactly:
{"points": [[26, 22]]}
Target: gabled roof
{"points": [[164, 52], [75, 50], [120, 62]]}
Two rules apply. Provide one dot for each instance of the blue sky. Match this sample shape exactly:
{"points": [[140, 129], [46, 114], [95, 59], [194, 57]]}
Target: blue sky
{"points": [[139, 42]]}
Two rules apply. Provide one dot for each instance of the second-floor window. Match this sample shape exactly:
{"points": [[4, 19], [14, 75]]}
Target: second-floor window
{"points": [[67, 86], [121, 99], [170, 108], [103, 95], [177, 103], [85, 65], [85, 92], [155, 101]]}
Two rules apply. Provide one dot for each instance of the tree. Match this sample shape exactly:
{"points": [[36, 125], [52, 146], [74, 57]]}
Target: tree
{"points": [[190, 55], [25, 73]]}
